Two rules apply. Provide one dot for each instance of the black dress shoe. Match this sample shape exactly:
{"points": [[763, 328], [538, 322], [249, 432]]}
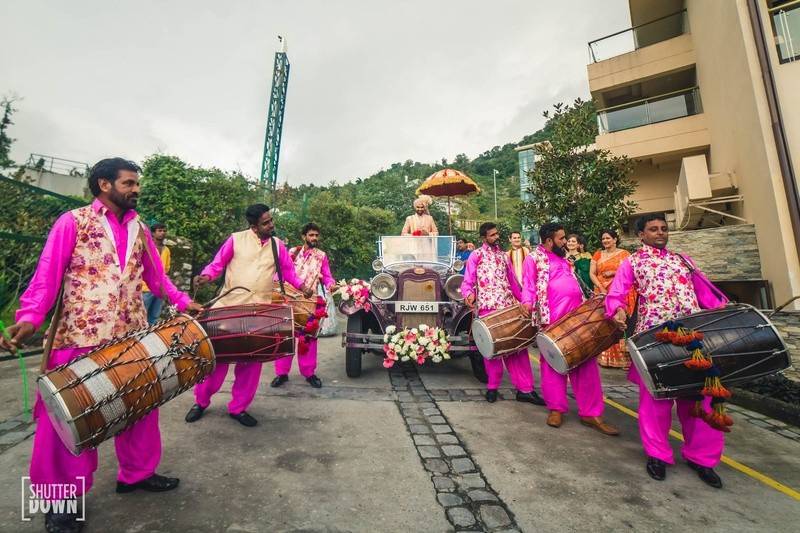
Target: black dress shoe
{"points": [[314, 381], [656, 468], [279, 380], [155, 483], [491, 395], [530, 397], [62, 523], [706, 474], [194, 414], [244, 419]]}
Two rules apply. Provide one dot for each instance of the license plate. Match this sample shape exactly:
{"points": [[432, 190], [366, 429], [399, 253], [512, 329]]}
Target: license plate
{"points": [[417, 307]]}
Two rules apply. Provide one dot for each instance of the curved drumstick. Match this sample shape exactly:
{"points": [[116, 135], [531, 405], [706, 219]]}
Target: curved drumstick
{"points": [[215, 300]]}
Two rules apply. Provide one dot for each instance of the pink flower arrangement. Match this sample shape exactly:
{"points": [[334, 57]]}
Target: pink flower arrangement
{"points": [[415, 344], [355, 291]]}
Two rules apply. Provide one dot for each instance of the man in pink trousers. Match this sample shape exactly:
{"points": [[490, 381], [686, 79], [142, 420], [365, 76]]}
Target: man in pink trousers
{"points": [[248, 261], [312, 266], [550, 291], [97, 253], [666, 291], [489, 284]]}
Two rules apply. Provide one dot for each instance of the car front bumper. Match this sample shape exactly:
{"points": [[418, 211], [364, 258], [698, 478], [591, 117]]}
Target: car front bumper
{"points": [[459, 344]]}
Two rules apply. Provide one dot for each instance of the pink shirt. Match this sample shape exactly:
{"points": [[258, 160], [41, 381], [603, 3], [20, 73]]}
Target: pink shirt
{"points": [[45, 284], [225, 254], [325, 268], [471, 277], [563, 290]]}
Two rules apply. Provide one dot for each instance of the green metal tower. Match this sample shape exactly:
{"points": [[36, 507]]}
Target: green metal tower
{"points": [[277, 105]]}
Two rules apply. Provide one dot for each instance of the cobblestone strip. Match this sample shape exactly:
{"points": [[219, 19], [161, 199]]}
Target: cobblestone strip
{"points": [[15, 430], [469, 502]]}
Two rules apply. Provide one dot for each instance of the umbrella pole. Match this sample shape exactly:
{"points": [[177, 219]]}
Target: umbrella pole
{"points": [[449, 222]]}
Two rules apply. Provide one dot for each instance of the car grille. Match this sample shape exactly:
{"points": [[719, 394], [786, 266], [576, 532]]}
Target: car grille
{"points": [[418, 288]]}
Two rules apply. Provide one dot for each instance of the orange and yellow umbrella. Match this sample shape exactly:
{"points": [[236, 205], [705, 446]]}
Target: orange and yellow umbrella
{"points": [[448, 182]]}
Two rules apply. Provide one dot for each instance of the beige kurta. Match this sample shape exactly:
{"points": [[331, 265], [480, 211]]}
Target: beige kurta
{"points": [[416, 222], [253, 267]]}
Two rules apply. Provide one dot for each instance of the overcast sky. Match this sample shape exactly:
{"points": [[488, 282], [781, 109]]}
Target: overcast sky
{"points": [[371, 82]]}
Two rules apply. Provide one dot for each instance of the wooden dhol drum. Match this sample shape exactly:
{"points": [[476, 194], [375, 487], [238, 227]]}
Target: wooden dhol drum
{"points": [[303, 307], [502, 332], [99, 394], [250, 333], [743, 344], [578, 336]]}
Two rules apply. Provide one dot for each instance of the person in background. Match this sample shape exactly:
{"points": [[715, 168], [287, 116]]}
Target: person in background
{"points": [[470, 246], [153, 303], [580, 260], [604, 265], [517, 254], [462, 253]]}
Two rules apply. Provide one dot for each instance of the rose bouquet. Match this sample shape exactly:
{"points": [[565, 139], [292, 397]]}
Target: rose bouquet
{"points": [[415, 344], [354, 294]]}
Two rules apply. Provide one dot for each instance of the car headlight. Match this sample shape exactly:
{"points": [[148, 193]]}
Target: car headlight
{"points": [[377, 265], [452, 287], [458, 264], [383, 286]]}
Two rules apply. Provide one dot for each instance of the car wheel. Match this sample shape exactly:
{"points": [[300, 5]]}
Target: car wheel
{"points": [[352, 361], [478, 369]]}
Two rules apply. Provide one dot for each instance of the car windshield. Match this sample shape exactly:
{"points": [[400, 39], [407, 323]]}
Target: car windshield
{"points": [[403, 252]]}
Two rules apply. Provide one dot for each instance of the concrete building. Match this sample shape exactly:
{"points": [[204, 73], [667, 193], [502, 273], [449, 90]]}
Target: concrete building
{"points": [[702, 94], [61, 176]]}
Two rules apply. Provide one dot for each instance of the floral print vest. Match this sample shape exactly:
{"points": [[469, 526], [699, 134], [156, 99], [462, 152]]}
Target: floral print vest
{"points": [[494, 290], [664, 285], [100, 302], [308, 265]]}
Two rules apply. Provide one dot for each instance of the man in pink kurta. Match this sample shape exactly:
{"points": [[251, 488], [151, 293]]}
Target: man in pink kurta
{"points": [[666, 291], [312, 266], [489, 285], [252, 267], [97, 253], [551, 290]]}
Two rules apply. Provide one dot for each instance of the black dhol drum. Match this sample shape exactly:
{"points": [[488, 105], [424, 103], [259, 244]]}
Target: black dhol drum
{"points": [[743, 344]]}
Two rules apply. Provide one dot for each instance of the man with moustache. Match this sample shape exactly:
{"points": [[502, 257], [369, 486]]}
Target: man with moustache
{"points": [[101, 255], [667, 289], [248, 261], [312, 266], [489, 285], [550, 291]]}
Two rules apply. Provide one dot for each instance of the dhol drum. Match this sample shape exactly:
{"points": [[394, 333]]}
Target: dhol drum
{"points": [[502, 332], [578, 336], [303, 307], [98, 395], [742, 342], [250, 333]]}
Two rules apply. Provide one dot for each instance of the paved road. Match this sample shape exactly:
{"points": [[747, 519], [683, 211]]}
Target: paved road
{"points": [[412, 450]]}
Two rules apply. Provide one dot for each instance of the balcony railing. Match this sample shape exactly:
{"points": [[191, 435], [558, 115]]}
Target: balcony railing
{"points": [[639, 36], [786, 27], [683, 103]]}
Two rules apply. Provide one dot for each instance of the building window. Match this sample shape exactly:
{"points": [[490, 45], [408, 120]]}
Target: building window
{"points": [[525, 165], [785, 15]]}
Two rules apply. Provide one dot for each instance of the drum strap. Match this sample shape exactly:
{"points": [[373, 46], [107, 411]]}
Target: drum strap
{"points": [[51, 331], [701, 281], [277, 264]]}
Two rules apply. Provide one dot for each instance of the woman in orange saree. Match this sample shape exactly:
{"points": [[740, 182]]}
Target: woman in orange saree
{"points": [[602, 269]]}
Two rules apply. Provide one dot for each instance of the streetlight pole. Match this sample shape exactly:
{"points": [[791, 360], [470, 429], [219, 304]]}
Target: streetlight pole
{"points": [[494, 181]]}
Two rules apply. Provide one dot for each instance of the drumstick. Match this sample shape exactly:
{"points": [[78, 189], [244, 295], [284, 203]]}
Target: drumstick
{"points": [[215, 300], [25, 405]]}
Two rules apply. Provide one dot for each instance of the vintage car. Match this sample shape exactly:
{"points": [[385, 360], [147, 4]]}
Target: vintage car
{"points": [[416, 282]]}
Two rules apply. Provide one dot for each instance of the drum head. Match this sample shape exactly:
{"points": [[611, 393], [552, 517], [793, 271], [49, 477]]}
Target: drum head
{"points": [[552, 354], [59, 415], [483, 339]]}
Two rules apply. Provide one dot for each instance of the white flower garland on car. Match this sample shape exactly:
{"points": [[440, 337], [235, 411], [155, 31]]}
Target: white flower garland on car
{"points": [[415, 344]]}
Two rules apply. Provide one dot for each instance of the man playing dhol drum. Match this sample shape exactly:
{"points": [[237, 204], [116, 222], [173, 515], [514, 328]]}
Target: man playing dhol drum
{"points": [[97, 254], [666, 291], [489, 284], [550, 291], [248, 259], [313, 268]]}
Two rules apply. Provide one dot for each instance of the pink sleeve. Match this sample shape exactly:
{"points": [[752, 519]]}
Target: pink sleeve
{"points": [[221, 260], [470, 275], [529, 273], [43, 289], [327, 277], [513, 283], [708, 296], [618, 291], [287, 267], [157, 280]]}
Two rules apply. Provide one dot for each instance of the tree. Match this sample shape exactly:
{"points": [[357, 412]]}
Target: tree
{"points": [[201, 205], [586, 190], [5, 141]]}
